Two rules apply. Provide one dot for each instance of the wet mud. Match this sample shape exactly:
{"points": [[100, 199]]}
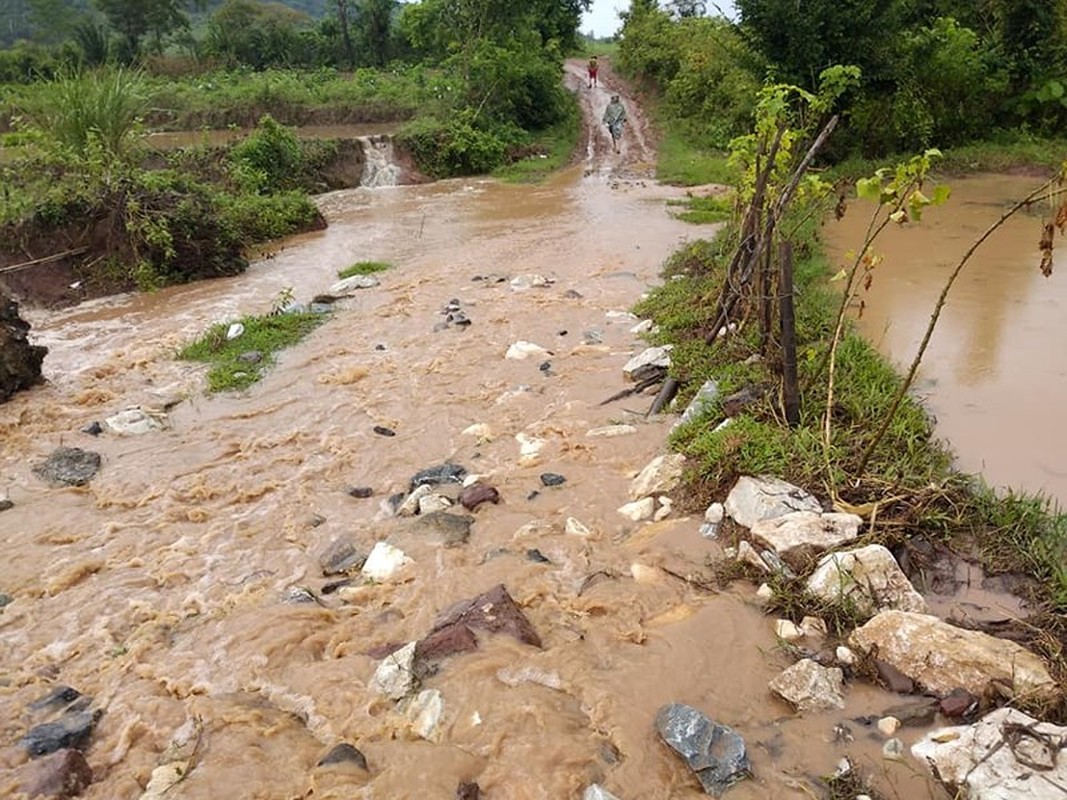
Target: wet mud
{"points": [[164, 588]]}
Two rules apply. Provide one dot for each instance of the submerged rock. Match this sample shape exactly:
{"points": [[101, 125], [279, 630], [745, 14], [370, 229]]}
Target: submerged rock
{"points": [[597, 792], [493, 611], [660, 475], [64, 773], [476, 494], [20, 361], [69, 731], [753, 499], [437, 475], [424, 712], [468, 790], [344, 753], [941, 657], [530, 281], [521, 350], [135, 421], [611, 431], [395, 676], [57, 698], [69, 466], [552, 479], [453, 529], [1007, 755], [808, 686], [341, 557], [800, 535], [716, 753], [868, 577], [348, 286], [384, 562]]}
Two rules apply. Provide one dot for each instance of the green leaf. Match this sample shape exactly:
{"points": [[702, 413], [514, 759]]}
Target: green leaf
{"points": [[941, 194], [869, 189], [840, 276], [1055, 89]]}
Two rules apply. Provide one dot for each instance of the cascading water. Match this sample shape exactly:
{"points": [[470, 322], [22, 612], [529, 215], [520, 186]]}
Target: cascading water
{"points": [[379, 168]]}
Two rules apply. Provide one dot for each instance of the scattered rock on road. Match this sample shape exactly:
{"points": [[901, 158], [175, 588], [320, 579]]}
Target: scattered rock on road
{"points": [[716, 753]]}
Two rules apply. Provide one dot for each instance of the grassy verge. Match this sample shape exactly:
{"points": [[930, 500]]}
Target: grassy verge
{"points": [[921, 499], [547, 152], [232, 364], [364, 268], [684, 164]]}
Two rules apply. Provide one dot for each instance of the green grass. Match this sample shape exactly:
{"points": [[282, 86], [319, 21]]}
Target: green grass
{"points": [[705, 210], [592, 47], [683, 164], [364, 268], [265, 335], [548, 151]]}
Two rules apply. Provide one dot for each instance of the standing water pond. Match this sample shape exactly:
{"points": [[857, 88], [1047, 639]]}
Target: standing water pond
{"points": [[997, 363]]}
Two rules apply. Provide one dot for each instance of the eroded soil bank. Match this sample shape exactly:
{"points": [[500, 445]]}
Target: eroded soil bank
{"points": [[165, 587]]}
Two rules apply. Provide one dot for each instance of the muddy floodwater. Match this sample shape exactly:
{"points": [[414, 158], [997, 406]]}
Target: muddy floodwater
{"points": [[166, 588], [168, 140], [998, 358]]}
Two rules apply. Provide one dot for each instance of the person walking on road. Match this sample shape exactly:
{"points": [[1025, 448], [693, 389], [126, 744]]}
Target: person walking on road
{"points": [[593, 67], [615, 118]]}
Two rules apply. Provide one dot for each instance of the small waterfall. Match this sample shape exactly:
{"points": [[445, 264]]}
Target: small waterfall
{"points": [[379, 169]]}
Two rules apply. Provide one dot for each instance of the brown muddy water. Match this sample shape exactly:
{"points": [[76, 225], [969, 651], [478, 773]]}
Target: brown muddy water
{"points": [[160, 589], [997, 362], [170, 140]]}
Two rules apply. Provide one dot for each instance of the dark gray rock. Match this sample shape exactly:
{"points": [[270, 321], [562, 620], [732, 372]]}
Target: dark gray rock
{"points": [[70, 466], [381, 430], [93, 429], [6, 504], [59, 697], [917, 713], [65, 773], [537, 556], [344, 754], [716, 753], [361, 492], [468, 790], [6, 599], [434, 476], [552, 479], [453, 529], [341, 557], [20, 361], [69, 731], [250, 357]]}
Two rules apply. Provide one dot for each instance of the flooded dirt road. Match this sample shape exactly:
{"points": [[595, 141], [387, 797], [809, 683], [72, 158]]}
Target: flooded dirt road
{"points": [[998, 356], [166, 588]]}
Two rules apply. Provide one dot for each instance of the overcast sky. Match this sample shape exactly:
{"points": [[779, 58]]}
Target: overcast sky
{"points": [[603, 19]]}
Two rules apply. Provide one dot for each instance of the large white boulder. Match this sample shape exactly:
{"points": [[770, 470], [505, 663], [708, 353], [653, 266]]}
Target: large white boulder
{"points": [[808, 686], [651, 357], [662, 474], [941, 657], [868, 577], [800, 535], [1006, 755], [753, 499]]}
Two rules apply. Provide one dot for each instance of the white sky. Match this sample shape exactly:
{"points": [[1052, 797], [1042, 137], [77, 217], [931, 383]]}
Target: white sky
{"points": [[603, 19]]}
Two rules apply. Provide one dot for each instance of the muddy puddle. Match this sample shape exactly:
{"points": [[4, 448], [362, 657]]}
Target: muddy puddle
{"points": [[998, 356], [165, 588]]}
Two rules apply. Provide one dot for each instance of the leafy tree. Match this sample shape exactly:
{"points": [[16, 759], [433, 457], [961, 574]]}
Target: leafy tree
{"points": [[374, 22], [136, 19], [259, 34], [346, 31], [684, 9]]}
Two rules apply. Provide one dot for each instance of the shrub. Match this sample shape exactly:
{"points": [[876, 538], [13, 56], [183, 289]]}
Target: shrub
{"points": [[269, 160], [460, 145]]}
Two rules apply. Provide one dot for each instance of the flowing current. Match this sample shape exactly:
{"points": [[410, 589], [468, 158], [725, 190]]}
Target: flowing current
{"points": [[163, 589]]}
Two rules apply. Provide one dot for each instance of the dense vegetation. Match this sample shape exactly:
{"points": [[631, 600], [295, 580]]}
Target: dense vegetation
{"points": [[933, 72]]}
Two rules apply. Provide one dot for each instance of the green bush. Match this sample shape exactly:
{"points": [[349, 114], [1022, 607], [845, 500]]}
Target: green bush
{"points": [[460, 145], [270, 159], [260, 218]]}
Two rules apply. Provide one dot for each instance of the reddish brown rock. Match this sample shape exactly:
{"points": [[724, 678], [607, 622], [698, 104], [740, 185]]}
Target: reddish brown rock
{"points": [[468, 790], [493, 611], [958, 703], [64, 773], [478, 493], [893, 678], [446, 642]]}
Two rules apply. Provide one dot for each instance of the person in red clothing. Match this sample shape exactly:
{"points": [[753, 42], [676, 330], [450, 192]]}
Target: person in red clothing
{"points": [[593, 66]]}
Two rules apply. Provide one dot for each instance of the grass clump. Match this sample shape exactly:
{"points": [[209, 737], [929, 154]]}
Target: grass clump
{"points": [[683, 163], [265, 335], [364, 268], [704, 210]]}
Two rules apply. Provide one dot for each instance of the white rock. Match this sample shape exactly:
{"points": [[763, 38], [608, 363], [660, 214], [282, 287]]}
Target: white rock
{"points": [[887, 726], [529, 447], [516, 676], [410, 505], [597, 792], [395, 676], [620, 316], [800, 535], [612, 430], [651, 357], [765, 593], [384, 562], [941, 657], [475, 477], [643, 573], [135, 421], [522, 350], [479, 430], [164, 778], [350, 285], [748, 554], [984, 766], [433, 502], [701, 402], [664, 510], [234, 331], [868, 577], [644, 326], [661, 475], [713, 518], [813, 627], [530, 281], [844, 656], [424, 712], [639, 509], [893, 750], [576, 528], [753, 499], [787, 631], [808, 686]]}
